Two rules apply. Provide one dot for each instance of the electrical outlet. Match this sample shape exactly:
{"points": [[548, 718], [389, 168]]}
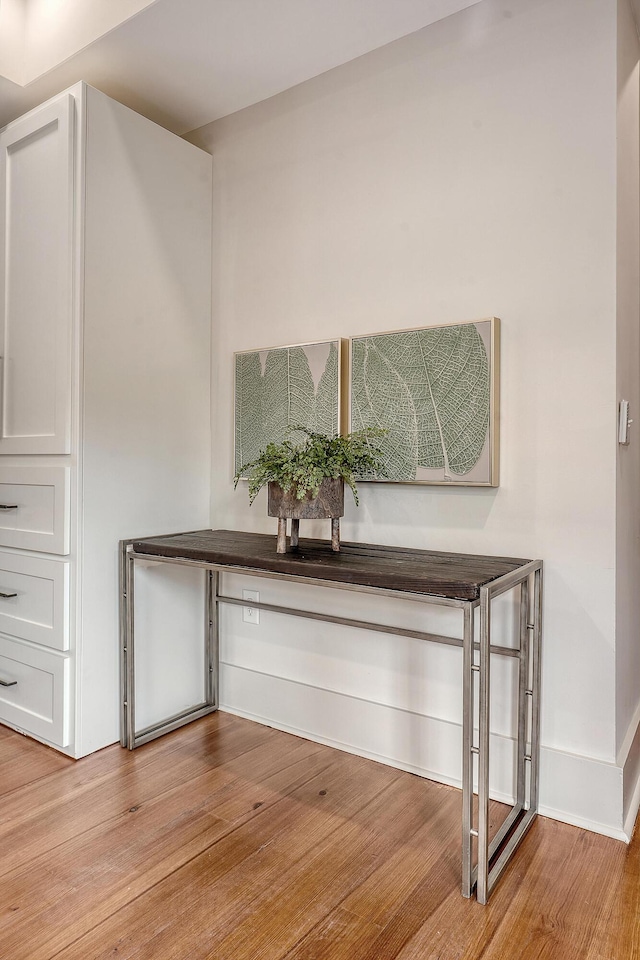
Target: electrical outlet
{"points": [[251, 614]]}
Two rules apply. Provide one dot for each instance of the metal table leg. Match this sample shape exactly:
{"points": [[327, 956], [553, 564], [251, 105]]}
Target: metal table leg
{"points": [[535, 625], [484, 664], [130, 681], [467, 752], [523, 689], [212, 634], [129, 737], [122, 561]]}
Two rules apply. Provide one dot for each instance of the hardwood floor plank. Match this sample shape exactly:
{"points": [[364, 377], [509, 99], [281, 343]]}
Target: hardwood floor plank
{"points": [[388, 889], [270, 844], [621, 928], [537, 908], [26, 829], [23, 761], [227, 840], [560, 907], [75, 776], [315, 886], [339, 936], [309, 884], [625, 924], [145, 844]]}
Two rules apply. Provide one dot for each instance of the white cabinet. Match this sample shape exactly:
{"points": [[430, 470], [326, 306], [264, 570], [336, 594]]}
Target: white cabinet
{"points": [[36, 170], [105, 318]]}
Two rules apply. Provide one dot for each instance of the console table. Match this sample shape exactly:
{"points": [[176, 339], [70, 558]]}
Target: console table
{"points": [[468, 583]]}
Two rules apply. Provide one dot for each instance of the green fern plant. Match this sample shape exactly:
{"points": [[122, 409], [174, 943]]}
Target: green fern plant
{"points": [[302, 467]]}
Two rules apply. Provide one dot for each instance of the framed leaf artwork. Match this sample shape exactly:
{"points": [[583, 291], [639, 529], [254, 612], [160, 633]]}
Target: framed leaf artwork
{"points": [[281, 387], [436, 391]]}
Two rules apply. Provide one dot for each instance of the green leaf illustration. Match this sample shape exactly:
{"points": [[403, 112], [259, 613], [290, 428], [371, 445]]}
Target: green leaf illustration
{"points": [[301, 401], [248, 404], [376, 390], [275, 400], [326, 407], [282, 394], [431, 389]]}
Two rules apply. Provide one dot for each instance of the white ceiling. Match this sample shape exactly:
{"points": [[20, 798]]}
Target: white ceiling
{"points": [[184, 63]]}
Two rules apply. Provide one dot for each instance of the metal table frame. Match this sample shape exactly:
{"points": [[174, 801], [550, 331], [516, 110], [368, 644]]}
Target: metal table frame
{"points": [[492, 855]]}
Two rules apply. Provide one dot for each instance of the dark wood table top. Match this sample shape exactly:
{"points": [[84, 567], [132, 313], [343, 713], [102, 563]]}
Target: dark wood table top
{"points": [[455, 576]]}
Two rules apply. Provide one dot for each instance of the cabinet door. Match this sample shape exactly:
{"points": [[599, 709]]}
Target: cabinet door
{"points": [[36, 276]]}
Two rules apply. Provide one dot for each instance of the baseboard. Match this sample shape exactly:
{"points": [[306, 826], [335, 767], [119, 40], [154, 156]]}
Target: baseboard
{"points": [[632, 812], [631, 778], [605, 829]]}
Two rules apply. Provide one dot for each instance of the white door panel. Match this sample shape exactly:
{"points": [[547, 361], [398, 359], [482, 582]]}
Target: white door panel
{"points": [[36, 210]]}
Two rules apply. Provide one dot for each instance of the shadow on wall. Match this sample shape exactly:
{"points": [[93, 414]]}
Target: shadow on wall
{"points": [[415, 507]]}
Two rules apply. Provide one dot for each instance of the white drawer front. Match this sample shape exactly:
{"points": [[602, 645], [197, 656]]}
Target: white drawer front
{"points": [[34, 508], [34, 691], [34, 599]]}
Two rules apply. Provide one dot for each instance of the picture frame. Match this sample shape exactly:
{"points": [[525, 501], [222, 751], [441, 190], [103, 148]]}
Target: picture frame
{"points": [[436, 390], [277, 388]]}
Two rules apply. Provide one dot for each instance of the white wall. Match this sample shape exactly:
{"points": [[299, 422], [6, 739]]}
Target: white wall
{"points": [[468, 170], [628, 358], [628, 362]]}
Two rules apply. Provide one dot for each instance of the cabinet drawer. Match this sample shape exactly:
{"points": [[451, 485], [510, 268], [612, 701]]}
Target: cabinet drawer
{"points": [[34, 508], [34, 599], [34, 691]]}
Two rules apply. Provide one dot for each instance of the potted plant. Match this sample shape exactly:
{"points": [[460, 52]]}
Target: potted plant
{"points": [[306, 480]]}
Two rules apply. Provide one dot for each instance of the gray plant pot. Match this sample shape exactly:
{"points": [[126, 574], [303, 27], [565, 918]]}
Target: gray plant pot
{"points": [[328, 504]]}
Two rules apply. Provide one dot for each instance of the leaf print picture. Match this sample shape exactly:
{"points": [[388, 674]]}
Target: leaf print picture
{"points": [[280, 387], [436, 391]]}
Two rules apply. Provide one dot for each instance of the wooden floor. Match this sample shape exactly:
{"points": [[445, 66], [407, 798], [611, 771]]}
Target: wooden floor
{"points": [[232, 841]]}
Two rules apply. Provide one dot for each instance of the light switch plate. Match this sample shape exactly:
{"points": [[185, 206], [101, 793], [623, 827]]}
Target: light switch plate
{"points": [[623, 422]]}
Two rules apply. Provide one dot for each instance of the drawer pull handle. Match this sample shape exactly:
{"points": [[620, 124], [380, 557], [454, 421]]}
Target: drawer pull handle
{"points": [[6, 596], [8, 683], [8, 506]]}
